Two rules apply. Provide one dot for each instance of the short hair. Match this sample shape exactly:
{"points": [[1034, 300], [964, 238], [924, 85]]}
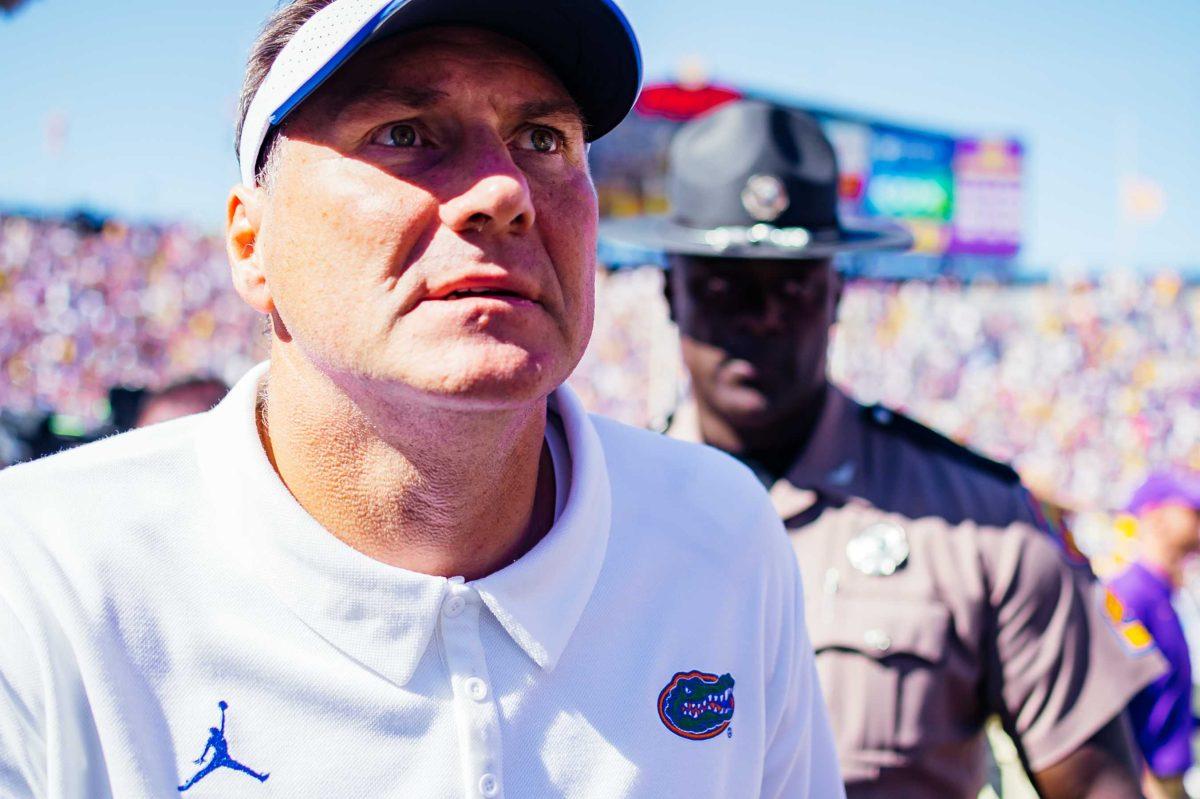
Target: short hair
{"points": [[277, 31]]}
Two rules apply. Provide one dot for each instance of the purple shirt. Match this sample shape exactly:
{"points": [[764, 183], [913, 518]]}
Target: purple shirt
{"points": [[1162, 711]]}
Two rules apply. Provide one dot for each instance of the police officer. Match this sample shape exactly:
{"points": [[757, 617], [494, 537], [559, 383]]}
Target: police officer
{"points": [[936, 594]]}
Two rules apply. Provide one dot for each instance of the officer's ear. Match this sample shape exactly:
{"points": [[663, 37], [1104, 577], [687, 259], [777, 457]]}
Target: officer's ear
{"points": [[837, 286], [669, 274]]}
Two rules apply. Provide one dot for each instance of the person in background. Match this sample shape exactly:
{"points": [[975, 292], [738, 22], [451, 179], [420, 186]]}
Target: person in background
{"points": [[194, 395], [937, 594], [1168, 509]]}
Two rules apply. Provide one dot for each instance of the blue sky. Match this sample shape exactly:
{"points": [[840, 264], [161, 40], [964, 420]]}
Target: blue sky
{"points": [[1101, 91]]}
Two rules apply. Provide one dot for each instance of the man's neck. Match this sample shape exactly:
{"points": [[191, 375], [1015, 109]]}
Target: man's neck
{"points": [[775, 447], [435, 491]]}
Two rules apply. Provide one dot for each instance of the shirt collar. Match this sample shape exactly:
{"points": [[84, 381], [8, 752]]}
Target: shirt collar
{"points": [[381, 615], [1154, 578], [829, 465], [540, 598]]}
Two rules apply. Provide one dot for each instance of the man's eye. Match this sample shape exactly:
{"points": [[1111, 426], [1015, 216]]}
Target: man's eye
{"points": [[540, 139], [799, 290], [717, 287], [399, 136]]}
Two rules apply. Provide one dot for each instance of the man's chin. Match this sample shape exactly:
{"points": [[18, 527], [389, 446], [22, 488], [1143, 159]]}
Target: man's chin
{"points": [[744, 406], [507, 377]]}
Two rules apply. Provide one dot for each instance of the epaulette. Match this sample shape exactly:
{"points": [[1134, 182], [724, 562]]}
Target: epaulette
{"points": [[933, 441], [1052, 518]]}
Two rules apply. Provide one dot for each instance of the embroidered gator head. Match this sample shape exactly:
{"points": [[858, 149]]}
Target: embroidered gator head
{"points": [[697, 705]]}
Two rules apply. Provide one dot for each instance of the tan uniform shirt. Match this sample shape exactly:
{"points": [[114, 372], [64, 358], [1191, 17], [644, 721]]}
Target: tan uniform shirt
{"points": [[984, 614]]}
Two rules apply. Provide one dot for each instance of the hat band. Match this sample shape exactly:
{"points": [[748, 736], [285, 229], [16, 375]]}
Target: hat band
{"points": [[726, 236]]}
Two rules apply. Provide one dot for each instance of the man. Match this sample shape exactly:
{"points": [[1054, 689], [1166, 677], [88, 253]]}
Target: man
{"points": [[194, 395], [934, 599], [400, 554], [1168, 509]]}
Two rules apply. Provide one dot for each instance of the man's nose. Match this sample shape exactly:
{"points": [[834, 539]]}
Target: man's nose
{"points": [[497, 199], [770, 316]]}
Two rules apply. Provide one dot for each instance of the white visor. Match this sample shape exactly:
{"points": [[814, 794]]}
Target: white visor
{"points": [[587, 43]]}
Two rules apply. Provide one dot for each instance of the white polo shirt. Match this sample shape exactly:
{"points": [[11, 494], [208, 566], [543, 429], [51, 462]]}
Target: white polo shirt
{"points": [[171, 618]]}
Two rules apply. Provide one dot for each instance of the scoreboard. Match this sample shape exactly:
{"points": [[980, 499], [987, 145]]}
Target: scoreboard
{"points": [[958, 196]]}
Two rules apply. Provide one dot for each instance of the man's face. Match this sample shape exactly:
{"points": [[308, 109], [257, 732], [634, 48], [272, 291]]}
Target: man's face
{"points": [[1179, 523], [755, 333], [431, 224]]}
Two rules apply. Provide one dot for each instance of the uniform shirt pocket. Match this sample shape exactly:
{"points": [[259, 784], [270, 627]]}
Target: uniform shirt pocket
{"points": [[879, 661]]}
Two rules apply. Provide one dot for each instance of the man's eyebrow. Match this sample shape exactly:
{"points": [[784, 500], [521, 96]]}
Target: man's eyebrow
{"points": [[366, 96], [552, 109]]}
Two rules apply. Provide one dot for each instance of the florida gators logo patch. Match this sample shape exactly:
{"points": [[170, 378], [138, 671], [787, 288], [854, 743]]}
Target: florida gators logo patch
{"points": [[697, 705]]}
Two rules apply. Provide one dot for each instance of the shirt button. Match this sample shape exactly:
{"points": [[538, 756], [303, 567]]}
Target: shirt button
{"points": [[489, 786], [454, 606], [878, 640], [477, 689]]}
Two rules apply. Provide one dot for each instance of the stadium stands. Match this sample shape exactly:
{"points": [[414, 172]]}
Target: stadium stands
{"points": [[1083, 385]]}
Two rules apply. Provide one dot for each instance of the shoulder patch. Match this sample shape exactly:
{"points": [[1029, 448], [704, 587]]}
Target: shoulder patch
{"points": [[1052, 519], [1132, 634], [926, 438]]}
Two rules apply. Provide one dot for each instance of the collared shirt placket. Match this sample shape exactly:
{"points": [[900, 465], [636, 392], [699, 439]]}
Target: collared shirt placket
{"points": [[476, 714]]}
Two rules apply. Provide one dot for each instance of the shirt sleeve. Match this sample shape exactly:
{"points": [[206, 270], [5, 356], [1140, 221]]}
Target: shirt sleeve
{"points": [[1161, 713], [801, 759], [1161, 718], [22, 741], [1059, 670]]}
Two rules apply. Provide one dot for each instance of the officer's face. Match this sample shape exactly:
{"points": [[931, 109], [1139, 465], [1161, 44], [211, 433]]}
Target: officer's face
{"points": [[431, 225], [754, 332]]}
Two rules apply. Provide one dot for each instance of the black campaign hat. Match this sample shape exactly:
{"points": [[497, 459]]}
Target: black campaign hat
{"points": [[752, 180]]}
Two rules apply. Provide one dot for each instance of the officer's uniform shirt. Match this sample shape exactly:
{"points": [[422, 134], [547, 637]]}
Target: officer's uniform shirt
{"points": [[935, 598], [165, 604]]}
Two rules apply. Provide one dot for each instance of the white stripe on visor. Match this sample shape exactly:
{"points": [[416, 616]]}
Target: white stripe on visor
{"points": [[321, 45]]}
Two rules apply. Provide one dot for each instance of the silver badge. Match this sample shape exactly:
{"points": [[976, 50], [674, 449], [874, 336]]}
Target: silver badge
{"points": [[765, 197], [879, 550]]}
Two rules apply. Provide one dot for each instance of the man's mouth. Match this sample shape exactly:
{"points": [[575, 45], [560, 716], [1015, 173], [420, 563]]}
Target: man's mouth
{"points": [[482, 292], [501, 288], [741, 372]]}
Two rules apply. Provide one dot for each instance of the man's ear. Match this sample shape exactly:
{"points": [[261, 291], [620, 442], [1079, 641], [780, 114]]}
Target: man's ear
{"points": [[243, 220], [666, 288], [837, 286], [669, 270]]}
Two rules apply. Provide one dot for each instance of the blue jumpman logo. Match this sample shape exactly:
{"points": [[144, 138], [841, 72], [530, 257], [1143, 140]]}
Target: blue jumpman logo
{"points": [[220, 759]]}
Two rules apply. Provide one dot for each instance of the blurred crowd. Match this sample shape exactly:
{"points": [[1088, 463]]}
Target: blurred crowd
{"points": [[87, 305], [1083, 384]]}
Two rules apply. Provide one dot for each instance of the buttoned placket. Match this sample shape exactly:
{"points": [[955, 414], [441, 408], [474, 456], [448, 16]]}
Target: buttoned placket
{"points": [[475, 711]]}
